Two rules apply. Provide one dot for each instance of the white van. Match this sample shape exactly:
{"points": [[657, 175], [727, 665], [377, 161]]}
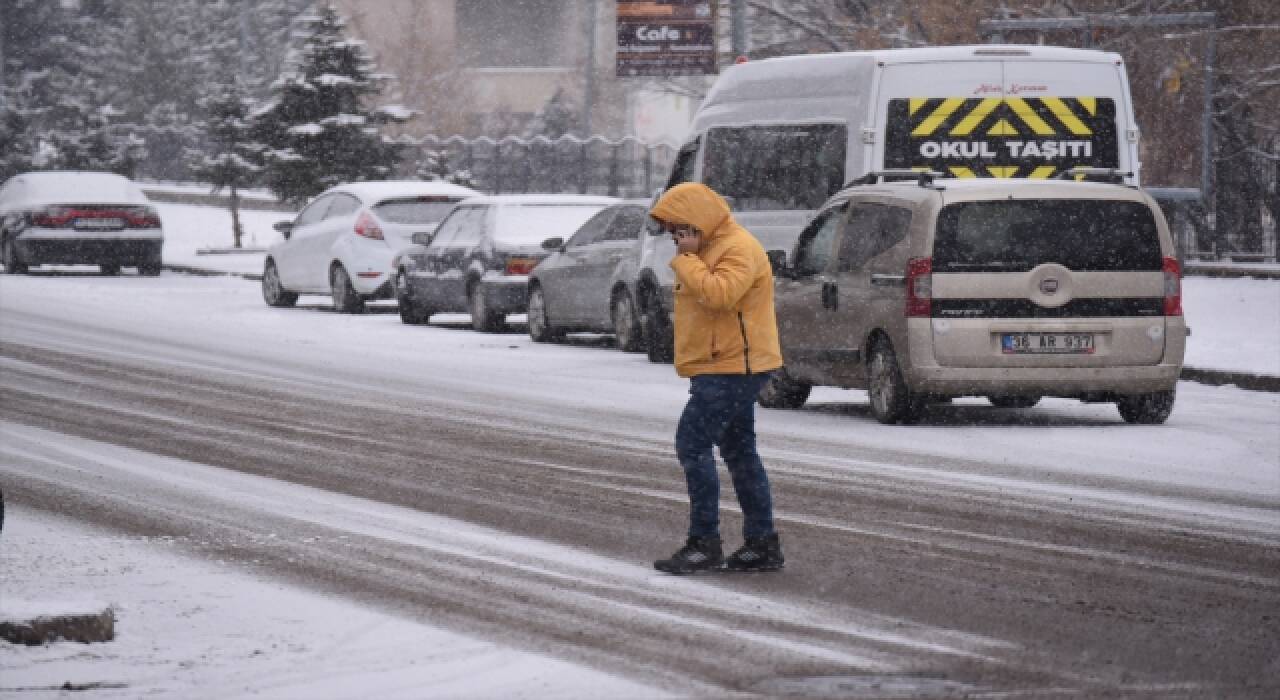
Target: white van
{"points": [[777, 137]]}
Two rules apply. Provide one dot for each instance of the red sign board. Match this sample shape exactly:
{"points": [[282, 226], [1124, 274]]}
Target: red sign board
{"points": [[666, 37]]}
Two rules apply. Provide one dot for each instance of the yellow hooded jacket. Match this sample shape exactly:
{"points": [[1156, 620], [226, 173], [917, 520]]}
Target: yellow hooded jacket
{"points": [[724, 317]]}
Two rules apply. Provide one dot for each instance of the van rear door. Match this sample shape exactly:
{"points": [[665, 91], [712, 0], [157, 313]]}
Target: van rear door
{"points": [[1023, 118]]}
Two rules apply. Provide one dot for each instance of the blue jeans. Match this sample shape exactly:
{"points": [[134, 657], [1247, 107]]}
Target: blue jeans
{"points": [[721, 411]]}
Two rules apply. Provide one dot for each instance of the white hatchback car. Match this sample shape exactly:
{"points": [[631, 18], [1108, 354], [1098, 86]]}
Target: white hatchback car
{"points": [[343, 242]]}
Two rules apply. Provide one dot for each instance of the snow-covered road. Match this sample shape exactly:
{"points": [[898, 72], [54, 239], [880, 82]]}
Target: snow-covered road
{"points": [[516, 492]]}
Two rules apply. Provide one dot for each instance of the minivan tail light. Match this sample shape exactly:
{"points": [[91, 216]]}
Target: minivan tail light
{"points": [[1172, 287], [368, 227], [919, 287], [519, 266]]}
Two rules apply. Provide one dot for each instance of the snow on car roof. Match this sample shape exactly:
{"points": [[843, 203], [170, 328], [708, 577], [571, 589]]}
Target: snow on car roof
{"points": [[388, 189], [544, 199], [79, 187]]}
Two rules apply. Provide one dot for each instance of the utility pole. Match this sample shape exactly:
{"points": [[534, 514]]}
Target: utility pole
{"points": [[738, 31], [589, 83]]}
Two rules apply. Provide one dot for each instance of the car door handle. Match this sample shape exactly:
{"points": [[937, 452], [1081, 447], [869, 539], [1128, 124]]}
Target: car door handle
{"points": [[830, 296], [888, 280]]}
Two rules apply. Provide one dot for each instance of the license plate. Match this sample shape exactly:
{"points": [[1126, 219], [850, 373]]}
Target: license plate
{"points": [[1047, 343], [96, 224]]}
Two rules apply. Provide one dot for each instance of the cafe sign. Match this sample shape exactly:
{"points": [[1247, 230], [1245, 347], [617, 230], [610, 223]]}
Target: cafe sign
{"points": [[666, 37]]}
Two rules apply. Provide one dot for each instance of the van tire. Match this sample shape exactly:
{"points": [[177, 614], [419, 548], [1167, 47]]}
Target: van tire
{"points": [[781, 391], [1007, 401], [891, 399], [659, 336], [345, 298], [1146, 409]]}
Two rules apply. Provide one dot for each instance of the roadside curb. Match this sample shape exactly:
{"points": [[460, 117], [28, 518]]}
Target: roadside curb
{"points": [[85, 628], [1244, 380], [206, 272]]}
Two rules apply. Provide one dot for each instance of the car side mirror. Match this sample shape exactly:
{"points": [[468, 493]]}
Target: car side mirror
{"points": [[284, 227], [423, 237], [778, 262], [553, 244]]}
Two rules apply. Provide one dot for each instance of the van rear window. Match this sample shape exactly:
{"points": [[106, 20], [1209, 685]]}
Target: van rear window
{"points": [[1016, 236], [776, 166]]}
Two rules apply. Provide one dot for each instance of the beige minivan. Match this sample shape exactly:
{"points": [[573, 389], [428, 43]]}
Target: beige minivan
{"points": [[924, 289]]}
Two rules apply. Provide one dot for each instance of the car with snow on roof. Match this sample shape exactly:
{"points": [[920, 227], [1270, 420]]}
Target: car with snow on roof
{"points": [[478, 261], [78, 218]]}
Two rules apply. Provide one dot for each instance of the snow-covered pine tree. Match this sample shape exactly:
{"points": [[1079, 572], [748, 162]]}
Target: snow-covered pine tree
{"points": [[229, 161], [317, 127], [438, 165], [55, 113], [556, 118]]}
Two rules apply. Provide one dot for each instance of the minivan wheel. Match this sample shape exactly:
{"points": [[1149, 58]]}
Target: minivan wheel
{"points": [[411, 312], [540, 328], [1146, 409], [273, 292], [891, 400], [483, 318], [9, 257], [345, 299], [1005, 401], [626, 326], [781, 391]]}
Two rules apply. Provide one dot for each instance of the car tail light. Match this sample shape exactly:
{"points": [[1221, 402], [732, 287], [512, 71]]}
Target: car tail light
{"points": [[53, 217], [519, 266], [368, 227], [135, 217], [919, 287], [1172, 287]]}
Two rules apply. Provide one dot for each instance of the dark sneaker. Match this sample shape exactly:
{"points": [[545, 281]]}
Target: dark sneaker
{"points": [[758, 554], [697, 554]]}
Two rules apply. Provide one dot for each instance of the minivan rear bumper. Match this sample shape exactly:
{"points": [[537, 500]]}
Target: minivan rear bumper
{"points": [[1070, 381]]}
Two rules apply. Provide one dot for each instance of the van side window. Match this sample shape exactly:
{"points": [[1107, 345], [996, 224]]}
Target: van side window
{"points": [[682, 169], [873, 229], [775, 166], [813, 250]]}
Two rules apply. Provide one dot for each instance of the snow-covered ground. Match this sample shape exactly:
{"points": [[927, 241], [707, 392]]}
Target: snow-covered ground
{"points": [[195, 629]]}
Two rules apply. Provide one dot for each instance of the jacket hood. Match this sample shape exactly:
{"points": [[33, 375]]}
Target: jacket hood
{"points": [[693, 203]]}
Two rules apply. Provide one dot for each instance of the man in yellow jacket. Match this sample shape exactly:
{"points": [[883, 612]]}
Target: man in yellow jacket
{"points": [[726, 343]]}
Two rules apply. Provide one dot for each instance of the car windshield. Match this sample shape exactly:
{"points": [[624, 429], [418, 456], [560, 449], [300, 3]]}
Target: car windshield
{"points": [[534, 223], [415, 210], [1079, 234]]}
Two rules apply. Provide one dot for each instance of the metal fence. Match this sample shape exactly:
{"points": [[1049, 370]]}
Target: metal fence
{"points": [[1196, 230], [626, 167]]}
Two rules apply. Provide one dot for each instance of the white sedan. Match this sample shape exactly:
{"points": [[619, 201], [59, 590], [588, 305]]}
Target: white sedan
{"points": [[343, 242], [78, 218]]}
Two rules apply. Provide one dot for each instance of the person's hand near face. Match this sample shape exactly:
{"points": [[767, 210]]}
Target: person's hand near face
{"points": [[686, 238]]}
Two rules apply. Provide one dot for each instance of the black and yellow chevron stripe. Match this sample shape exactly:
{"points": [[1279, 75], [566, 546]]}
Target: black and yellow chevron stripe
{"points": [[998, 122]]}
